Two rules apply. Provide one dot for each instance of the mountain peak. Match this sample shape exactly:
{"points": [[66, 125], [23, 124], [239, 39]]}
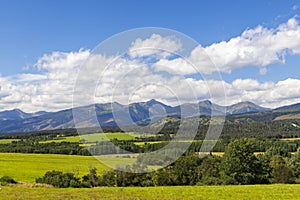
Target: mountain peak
{"points": [[18, 110], [246, 103], [18, 121], [205, 102], [245, 107], [154, 102]]}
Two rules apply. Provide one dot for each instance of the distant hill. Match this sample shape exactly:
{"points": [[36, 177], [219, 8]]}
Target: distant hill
{"points": [[289, 108], [17, 114], [141, 113], [245, 107]]}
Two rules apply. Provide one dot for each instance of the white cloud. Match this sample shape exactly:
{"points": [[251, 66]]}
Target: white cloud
{"points": [[267, 94], [131, 79], [175, 66], [25, 78], [62, 60], [257, 47], [50, 88], [157, 45]]}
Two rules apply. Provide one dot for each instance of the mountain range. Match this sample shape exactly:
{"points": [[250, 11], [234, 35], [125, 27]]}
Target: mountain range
{"points": [[140, 113]]}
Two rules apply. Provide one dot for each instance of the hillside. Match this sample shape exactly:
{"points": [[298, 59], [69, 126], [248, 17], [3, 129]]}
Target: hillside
{"points": [[142, 113]]}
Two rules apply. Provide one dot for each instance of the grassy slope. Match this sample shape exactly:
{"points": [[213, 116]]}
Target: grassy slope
{"points": [[27, 167], [97, 137], [6, 141], [272, 192]]}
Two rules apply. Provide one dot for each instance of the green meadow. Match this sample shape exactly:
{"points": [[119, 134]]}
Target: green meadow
{"points": [[28, 167], [244, 192], [97, 137], [6, 141]]}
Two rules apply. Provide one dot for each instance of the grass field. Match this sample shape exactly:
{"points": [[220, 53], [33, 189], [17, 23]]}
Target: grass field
{"points": [[290, 139], [97, 137], [27, 167], [6, 141], [91, 137], [253, 192]]}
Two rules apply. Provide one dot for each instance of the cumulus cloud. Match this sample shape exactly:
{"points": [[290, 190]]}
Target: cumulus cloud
{"points": [[157, 45], [62, 60], [25, 78], [257, 47], [175, 66], [50, 88], [131, 79], [268, 94]]}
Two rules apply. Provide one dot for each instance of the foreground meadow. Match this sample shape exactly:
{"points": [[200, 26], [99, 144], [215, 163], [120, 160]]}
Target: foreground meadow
{"points": [[28, 167], [272, 192]]}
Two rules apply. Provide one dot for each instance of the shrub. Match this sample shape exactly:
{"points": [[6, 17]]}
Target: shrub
{"points": [[59, 179], [7, 179]]}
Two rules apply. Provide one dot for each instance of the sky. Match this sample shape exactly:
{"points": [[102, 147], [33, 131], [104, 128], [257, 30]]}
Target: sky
{"points": [[254, 44]]}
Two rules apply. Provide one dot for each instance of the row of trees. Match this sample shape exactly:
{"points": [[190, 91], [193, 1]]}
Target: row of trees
{"points": [[238, 165], [259, 145], [121, 146], [28, 146]]}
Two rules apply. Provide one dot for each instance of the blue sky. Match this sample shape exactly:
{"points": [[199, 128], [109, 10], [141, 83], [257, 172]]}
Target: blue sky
{"points": [[32, 29]]}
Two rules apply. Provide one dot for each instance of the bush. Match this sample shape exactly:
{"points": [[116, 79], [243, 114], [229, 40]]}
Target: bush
{"points": [[7, 179], [59, 179]]}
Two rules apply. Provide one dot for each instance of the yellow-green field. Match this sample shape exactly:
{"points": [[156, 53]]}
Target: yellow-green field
{"points": [[97, 137], [90, 137], [28, 167], [6, 141], [290, 139], [253, 192]]}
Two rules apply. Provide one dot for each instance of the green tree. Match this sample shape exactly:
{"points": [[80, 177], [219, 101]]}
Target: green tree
{"points": [[281, 173], [108, 178], [91, 179], [185, 168], [164, 177], [294, 163], [210, 171], [277, 150], [59, 179], [239, 164]]}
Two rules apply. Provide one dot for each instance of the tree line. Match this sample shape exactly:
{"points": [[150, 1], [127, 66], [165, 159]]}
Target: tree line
{"points": [[29, 146], [33, 145], [238, 165]]}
